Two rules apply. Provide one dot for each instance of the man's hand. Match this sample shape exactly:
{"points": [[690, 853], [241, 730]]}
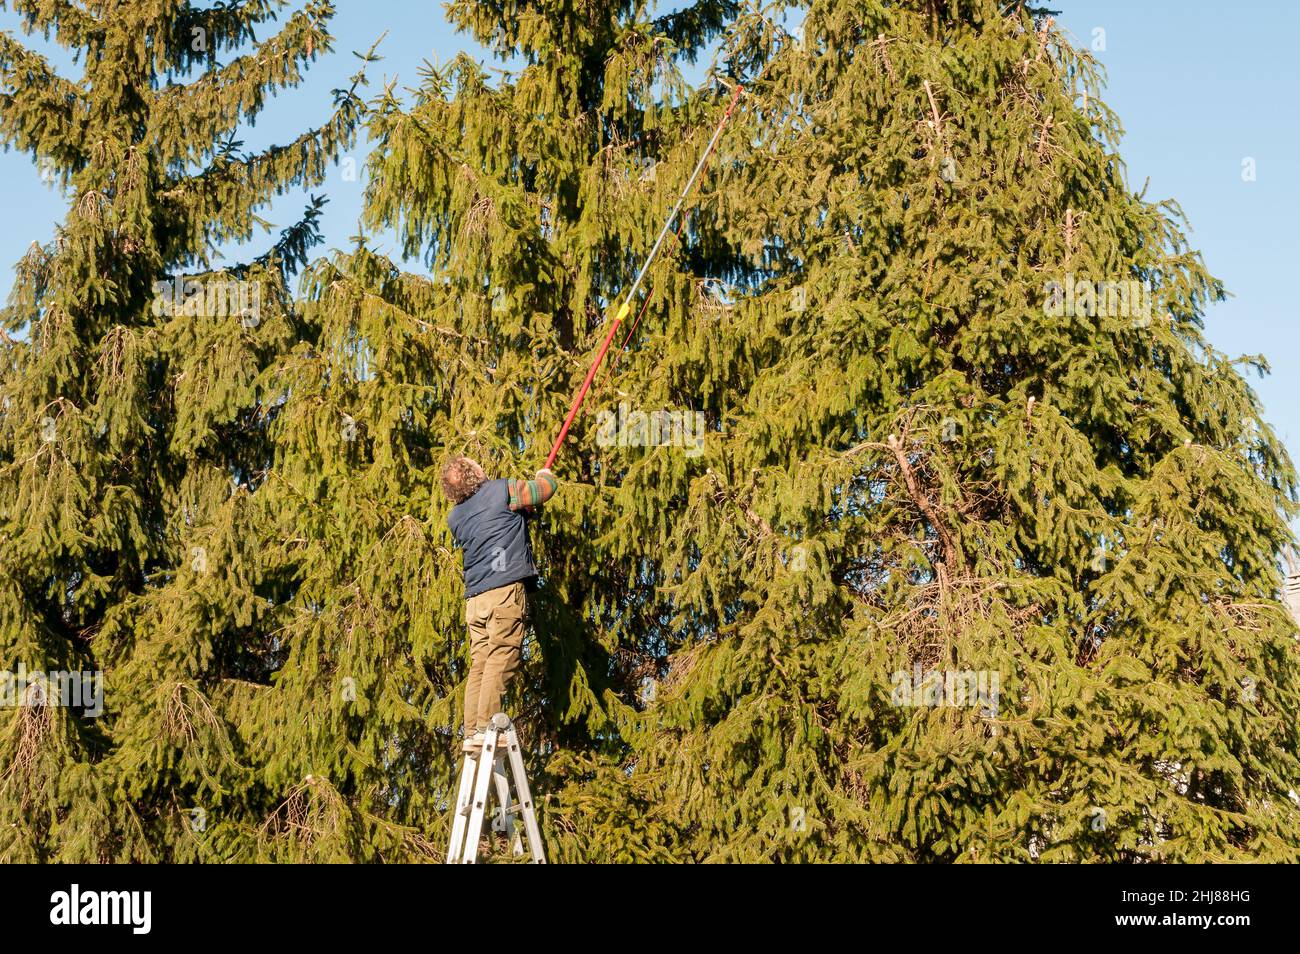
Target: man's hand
{"points": [[546, 484]]}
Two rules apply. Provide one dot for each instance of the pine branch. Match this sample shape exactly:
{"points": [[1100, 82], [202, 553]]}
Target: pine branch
{"points": [[187, 118], [40, 113], [70, 25]]}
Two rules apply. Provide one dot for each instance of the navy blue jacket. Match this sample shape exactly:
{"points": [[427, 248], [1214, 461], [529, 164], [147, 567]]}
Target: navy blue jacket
{"points": [[493, 540]]}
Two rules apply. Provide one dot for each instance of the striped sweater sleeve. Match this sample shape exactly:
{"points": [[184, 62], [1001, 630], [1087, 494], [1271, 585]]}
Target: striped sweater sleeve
{"points": [[526, 494]]}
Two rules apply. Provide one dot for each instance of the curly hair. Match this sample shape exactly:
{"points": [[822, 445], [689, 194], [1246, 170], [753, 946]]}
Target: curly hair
{"points": [[461, 479]]}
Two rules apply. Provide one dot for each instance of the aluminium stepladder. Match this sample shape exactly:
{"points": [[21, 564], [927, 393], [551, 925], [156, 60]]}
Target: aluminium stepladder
{"points": [[495, 766]]}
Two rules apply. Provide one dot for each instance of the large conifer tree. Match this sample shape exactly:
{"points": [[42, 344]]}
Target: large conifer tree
{"points": [[931, 459], [132, 431], [525, 202], [912, 463]]}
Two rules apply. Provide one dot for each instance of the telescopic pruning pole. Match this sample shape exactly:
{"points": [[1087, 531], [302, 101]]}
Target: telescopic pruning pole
{"points": [[636, 285]]}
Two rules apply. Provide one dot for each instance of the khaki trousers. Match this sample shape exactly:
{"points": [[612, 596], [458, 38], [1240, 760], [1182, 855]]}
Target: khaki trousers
{"points": [[496, 640]]}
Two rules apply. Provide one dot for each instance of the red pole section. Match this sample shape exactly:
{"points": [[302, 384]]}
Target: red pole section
{"points": [[627, 304], [586, 386]]}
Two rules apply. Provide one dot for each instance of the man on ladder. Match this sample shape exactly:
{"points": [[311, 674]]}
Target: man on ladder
{"points": [[489, 523]]}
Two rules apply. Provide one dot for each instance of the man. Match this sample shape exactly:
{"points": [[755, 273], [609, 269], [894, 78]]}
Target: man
{"points": [[489, 523]]}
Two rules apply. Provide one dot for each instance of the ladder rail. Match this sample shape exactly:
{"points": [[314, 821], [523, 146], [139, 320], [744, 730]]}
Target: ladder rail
{"points": [[525, 797], [461, 818], [478, 805]]}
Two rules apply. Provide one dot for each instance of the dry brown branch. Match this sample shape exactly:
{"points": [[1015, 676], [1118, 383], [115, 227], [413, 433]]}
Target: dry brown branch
{"points": [[951, 553], [1044, 136], [937, 117], [881, 43], [1044, 35]]}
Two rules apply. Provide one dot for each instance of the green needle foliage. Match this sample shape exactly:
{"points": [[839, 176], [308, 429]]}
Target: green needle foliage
{"points": [[929, 460], [133, 430], [965, 565]]}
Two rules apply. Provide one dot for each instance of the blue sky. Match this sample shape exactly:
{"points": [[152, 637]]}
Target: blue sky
{"points": [[1200, 87]]}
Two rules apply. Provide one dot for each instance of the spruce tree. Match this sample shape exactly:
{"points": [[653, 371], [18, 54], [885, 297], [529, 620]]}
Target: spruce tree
{"points": [[933, 462], [133, 433], [522, 204], [913, 462]]}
